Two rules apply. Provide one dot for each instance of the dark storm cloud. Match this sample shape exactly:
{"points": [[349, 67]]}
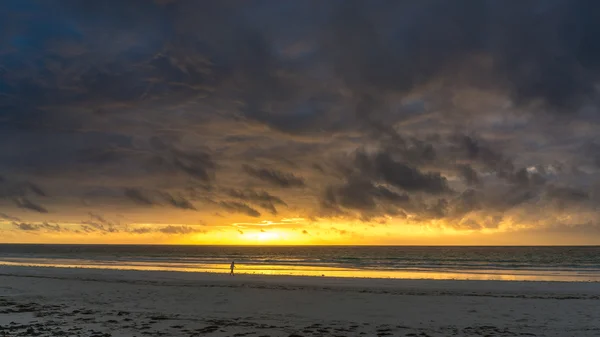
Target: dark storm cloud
{"points": [[361, 194], [524, 178], [384, 168], [275, 177], [406, 177], [540, 50], [469, 148], [173, 96], [378, 184], [238, 207], [27, 204]]}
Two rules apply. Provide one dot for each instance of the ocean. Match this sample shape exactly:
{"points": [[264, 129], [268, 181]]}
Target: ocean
{"points": [[409, 262]]}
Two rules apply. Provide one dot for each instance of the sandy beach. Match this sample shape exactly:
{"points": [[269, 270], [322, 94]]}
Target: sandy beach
{"points": [[77, 302]]}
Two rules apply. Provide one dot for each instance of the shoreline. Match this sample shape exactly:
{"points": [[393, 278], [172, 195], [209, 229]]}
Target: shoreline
{"points": [[195, 277], [316, 271]]}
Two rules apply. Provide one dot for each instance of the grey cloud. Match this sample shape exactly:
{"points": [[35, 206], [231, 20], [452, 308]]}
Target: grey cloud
{"points": [[138, 196], [275, 177], [37, 190], [370, 47], [38, 227], [20, 188], [350, 195], [359, 49], [136, 91], [472, 149], [531, 44], [469, 175], [516, 197], [154, 197], [564, 197], [377, 184], [367, 44], [418, 152], [238, 207], [469, 224], [5, 216], [85, 228], [99, 224], [198, 165], [401, 175], [142, 230], [467, 201], [25, 203], [99, 218], [107, 154], [361, 194], [178, 230], [524, 178], [177, 201], [493, 221], [260, 198], [438, 209], [567, 194], [91, 227], [166, 159], [27, 227]]}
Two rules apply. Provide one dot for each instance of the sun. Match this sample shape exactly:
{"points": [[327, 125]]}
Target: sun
{"points": [[267, 236]]}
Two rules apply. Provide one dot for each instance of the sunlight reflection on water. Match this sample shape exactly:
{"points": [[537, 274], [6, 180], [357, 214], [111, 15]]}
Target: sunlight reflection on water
{"points": [[295, 270]]}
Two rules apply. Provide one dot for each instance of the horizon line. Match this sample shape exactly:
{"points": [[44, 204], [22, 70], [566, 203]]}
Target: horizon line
{"points": [[286, 245]]}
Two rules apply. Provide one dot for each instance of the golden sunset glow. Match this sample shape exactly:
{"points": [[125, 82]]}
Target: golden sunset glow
{"points": [[299, 231]]}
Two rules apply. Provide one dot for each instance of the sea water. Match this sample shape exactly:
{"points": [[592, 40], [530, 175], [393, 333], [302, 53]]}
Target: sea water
{"points": [[413, 262]]}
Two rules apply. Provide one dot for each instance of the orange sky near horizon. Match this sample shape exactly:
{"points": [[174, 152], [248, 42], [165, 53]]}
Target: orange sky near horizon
{"points": [[297, 231]]}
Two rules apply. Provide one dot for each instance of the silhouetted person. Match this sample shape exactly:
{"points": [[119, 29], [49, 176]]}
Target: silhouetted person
{"points": [[232, 267]]}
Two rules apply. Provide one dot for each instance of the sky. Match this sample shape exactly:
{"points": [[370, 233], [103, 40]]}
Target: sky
{"points": [[433, 122]]}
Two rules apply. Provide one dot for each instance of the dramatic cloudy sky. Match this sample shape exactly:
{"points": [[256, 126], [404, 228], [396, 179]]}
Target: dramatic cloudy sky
{"points": [[279, 121]]}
